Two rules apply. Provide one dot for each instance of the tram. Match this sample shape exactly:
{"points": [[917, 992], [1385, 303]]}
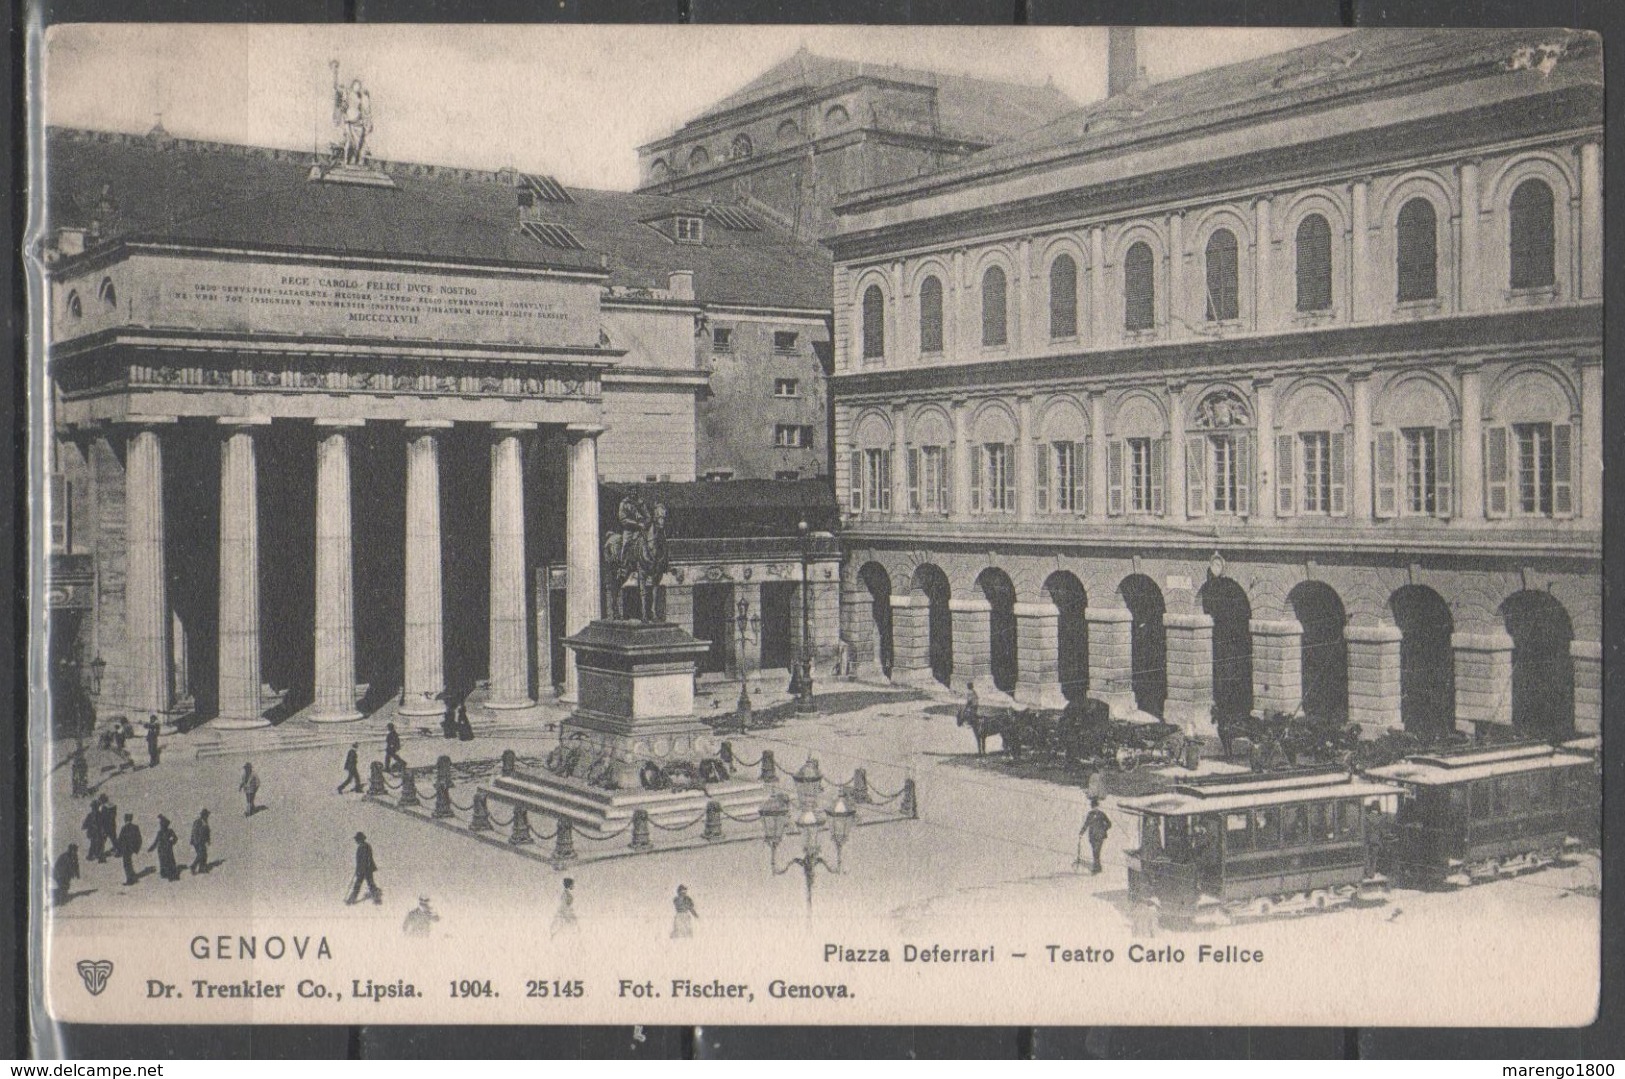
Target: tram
{"points": [[1224, 848], [1477, 813]]}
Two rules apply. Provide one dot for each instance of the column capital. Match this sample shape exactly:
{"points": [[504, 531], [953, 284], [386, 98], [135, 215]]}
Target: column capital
{"points": [[141, 419], [1469, 367], [1359, 374], [243, 421], [340, 422], [1589, 360], [1471, 162], [578, 431], [1263, 382], [514, 426], [428, 425]]}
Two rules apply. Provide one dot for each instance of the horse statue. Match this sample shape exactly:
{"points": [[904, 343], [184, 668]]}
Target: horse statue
{"points": [[637, 552]]}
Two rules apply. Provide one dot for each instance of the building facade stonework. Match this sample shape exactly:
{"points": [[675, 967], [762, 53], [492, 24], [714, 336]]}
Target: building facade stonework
{"points": [[1274, 388]]}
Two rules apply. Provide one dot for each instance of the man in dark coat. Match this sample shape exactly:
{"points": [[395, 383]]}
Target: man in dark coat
{"points": [[1095, 825], [79, 770], [365, 867], [129, 845], [65, 872], [152, 741], [201, 835], [392, 749], [465, 729], [352, 769], [95, 826], [164, 843], [109, 827]]}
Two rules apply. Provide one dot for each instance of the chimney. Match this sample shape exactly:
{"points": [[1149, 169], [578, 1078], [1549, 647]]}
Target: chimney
{"points": [[1122, 65], [681, 284]]}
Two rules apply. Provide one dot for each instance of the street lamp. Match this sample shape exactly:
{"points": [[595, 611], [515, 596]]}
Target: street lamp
{"points": [[811, 820], [803, 682], [748, 629]]}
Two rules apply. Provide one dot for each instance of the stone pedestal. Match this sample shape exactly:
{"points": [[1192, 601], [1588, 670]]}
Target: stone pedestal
{"points": [[1038, 662], [1374, 685], [911, 641], [1483, 678], [1111, 658], [1277, 665], [1587, 657], [973, 640], [1190, 672]]}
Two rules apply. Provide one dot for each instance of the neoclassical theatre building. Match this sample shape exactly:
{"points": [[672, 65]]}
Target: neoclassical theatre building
{"points": [[1274, 387]]}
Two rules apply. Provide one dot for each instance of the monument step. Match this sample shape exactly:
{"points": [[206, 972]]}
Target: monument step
{"points": [[596, 812]]}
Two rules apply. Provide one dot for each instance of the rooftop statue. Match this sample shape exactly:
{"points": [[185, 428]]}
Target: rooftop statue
{"points": [[352, 115]]}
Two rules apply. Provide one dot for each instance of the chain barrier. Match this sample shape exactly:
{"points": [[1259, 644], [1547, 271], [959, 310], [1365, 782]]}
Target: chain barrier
{"points": [[677, 827]]}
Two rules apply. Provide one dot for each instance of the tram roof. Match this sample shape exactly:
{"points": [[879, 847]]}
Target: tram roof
{"points": [[1188, 800], [1430, 771]]}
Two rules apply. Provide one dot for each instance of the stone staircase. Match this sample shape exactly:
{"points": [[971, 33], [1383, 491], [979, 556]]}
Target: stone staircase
{"points": [[597, 813]]}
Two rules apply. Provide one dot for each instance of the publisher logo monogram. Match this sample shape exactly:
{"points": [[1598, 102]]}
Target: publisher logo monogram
{"points": [[95, 973]]}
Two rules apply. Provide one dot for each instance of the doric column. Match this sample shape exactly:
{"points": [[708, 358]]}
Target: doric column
{"points": [[1374, 678], [1277, 664], [1470, 477], [423, 686], [1099, 320], [1591, 244], [1265, 499], [962, 452], [240, 705], [973, 639], [1483, 677], [509, 664], [582, 602], [911, 640], [1263, 279], [1361, 305], [333, 697], [1190, 672], [1360, 496], [1038, 659], [1111, 657], [1587, 656], [1591, 423], [1468, 258], [146, 584], [1025, 469]]}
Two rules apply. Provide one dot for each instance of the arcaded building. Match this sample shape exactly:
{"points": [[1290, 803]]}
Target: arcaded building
{"points": [[1275, 387]]}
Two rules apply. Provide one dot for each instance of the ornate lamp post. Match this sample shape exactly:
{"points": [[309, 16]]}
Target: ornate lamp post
{"points": [[804, 686], [811, 820], [748, 628]]}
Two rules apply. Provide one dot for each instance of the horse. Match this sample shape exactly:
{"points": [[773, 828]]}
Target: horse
{"points": [[642, 557], [982, 725]]}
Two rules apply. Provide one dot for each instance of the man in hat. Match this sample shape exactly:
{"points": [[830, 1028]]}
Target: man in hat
{"points": [[365, 867], [1095, 825], [79, 773], [109, 827], [201, 835], [250, 786], [95, 830], [65, 872], [152, 741], [352, 769], [392, 749], [129, 845]]}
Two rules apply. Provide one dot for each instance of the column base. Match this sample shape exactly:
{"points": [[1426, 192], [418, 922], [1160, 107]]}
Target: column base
{"points": [[333, 717], [511, 704], [1120, 704], [1196, 719], [421, 707], [239, 723], [1048, 697]]}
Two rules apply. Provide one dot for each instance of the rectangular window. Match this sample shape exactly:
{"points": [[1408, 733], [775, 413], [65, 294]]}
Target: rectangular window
{"points": [[1222, 473], [998, 478], [1139, 474], [722, 339], [870, 483], [792, 436], [933, 492], [786, 387], [1421, 453], [690, 230], [1067, 476], [785, 340], [1316, 448], [1533, 446]]}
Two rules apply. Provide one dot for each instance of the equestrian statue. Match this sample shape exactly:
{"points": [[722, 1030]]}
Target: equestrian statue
{"points": [[637, 551]]}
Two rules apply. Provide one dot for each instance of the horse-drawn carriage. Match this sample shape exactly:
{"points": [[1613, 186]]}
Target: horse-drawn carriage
{"points": [[1277, 740], [1082, 734]]}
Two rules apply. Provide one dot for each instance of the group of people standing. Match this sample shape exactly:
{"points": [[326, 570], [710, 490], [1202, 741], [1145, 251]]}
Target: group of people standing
{"points": [[108, 838]]}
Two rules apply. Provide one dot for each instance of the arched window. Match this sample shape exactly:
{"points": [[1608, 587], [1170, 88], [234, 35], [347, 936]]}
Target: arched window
{"points": [[659, 170], [1063, 298], [836, 116], [108, 294], [1417, 241], [931, 315], [76, 308], [1223, 290], [874, 323], [741, 148], [788, 132], [699, 158], [1314, 264], [994, 323], [1139, 288], [1534, 262]]}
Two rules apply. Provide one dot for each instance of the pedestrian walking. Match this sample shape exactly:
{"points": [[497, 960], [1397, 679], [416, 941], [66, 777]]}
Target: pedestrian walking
{"points": [[201, 835], [165, 843], [392, 750], [1095, 825], [564, 919], [109, 827], [79, 773], [152, 741], [122, 732], [95, 828], [465, 729], [352, 769], [64, 872], [365, 867], [682, 922], [843, 659], [129, 845], [448, 722], [250, 786]]}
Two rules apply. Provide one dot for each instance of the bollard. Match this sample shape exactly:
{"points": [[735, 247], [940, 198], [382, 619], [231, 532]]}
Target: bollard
{"points": [[727, 754], [911, 804], [857, 791], [510, 762], [442, 801], [442, 770], [409, 790], [640, 830], [713, 821], [376, 787], [481, 820], [770, 772], [564, 843], [521, 827]]}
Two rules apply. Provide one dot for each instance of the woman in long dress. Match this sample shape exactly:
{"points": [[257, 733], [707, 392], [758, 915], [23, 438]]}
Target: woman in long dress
{"points": [[682, 923], [164, 843], [564, 920]]}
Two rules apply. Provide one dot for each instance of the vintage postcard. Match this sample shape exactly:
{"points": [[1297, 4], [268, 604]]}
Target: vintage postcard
{"points": [[817, 525]]}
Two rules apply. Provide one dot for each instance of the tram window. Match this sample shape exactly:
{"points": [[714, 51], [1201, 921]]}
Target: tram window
{"points": [[1266, 829], [1237, 836], [1348, 820], [1296, 825], [1502, 795], [1150, 833], [1545, 791], [1483, 798], [1322, 822], [1177, 838]]}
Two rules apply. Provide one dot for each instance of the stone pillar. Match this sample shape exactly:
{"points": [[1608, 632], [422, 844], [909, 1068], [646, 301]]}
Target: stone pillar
{"points": [[509, 664], [962, 452], [973, 640], [333, 696], [1470, 477], [1263, 279], [1469, 279], [1265, 500], [423, 685], [911, 640], [680, 605], [1483, 678], [1179, 305], [1591, 424], [858, 623], [1360, 492], [1097, 455], [1374, 686], [146, 583], [1099, 320], [1111, 657], [1038, 656], [582, 602], [1361, 305], [1174, 501], [899, 459], [1591, 204], [1025, 468], [1587, 656], [1190, 672], [1277, 665], [240, 705], [825, 606]]}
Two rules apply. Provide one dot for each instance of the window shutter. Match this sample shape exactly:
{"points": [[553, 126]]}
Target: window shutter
{"points": [[1337, 467], [976, 479], [854, 481], [1007, 481], [1384, 484], [1446, 490], [1195, 475], [913, 466], [1244, 474], [1080, 478], [1041, 455], [1562, 470], [883, 481], [1495, 472], [945, 503], [1159, 458], [1285, 448], [1114, 478]]}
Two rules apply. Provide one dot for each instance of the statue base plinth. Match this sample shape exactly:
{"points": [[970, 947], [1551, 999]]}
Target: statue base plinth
{"points": [[360, 175]]}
